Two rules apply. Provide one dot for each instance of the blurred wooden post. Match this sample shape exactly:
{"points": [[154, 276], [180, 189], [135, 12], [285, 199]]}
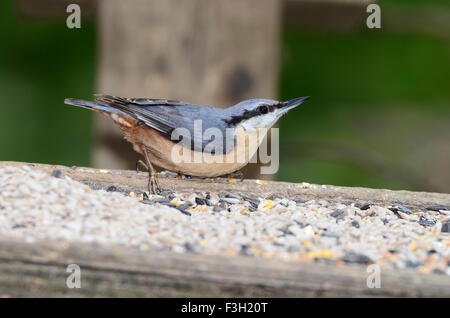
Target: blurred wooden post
{"points": [[203, 51]]}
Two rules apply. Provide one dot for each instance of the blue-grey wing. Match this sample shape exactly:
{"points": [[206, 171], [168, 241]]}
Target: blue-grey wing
{"points": [[170, 117]]}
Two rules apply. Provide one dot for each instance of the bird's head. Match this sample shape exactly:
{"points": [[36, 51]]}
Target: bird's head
{"points": [[260, 113]]}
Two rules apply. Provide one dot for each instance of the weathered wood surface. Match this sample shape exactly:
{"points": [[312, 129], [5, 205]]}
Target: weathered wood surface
{"points": [[128, 180], [39, 269]]}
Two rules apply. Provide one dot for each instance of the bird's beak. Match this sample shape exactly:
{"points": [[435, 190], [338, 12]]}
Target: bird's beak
{"points": [[292, 103]]}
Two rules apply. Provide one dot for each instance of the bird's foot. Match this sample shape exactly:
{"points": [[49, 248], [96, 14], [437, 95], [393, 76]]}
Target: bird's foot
{"points": [[239, 174], [153, 186]]}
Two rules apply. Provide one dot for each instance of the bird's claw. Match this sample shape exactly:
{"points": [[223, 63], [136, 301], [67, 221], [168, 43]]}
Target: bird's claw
{"points": [[153, 187], [239, 173]]}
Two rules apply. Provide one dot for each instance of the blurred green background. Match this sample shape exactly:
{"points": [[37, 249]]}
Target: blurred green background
{"points": [[379, 115]]}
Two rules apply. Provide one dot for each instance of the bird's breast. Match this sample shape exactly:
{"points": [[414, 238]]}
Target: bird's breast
{"points": [[174, 156]]}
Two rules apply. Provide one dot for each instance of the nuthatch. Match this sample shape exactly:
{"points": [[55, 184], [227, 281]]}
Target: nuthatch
{"points": [[150, 125]]}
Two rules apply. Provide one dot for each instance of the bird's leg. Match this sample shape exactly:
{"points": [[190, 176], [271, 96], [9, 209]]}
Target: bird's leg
{"points": [[239, 173], [142, 164], [152, 179]]}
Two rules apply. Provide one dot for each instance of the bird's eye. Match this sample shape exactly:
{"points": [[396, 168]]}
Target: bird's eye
{"points": [[263, 109]]}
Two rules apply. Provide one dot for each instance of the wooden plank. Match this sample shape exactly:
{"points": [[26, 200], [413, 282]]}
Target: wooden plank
{"points": [[39, 268], [128, 180], [332, 15]]}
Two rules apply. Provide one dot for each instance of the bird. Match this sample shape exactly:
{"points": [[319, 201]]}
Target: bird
{"points": [[167, 131]]}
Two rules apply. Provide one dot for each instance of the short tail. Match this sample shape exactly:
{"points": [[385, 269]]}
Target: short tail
{"points": [[90, 105]]}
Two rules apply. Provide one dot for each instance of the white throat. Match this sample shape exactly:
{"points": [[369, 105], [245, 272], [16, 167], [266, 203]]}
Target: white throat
{"points": [[261, 121]]}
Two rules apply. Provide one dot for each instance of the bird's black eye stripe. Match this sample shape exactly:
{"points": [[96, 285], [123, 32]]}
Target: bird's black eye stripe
{"points": [[263, 109]]}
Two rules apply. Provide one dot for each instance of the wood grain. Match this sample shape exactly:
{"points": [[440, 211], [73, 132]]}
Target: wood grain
{"points": [[129, 180], [39, 268]]}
